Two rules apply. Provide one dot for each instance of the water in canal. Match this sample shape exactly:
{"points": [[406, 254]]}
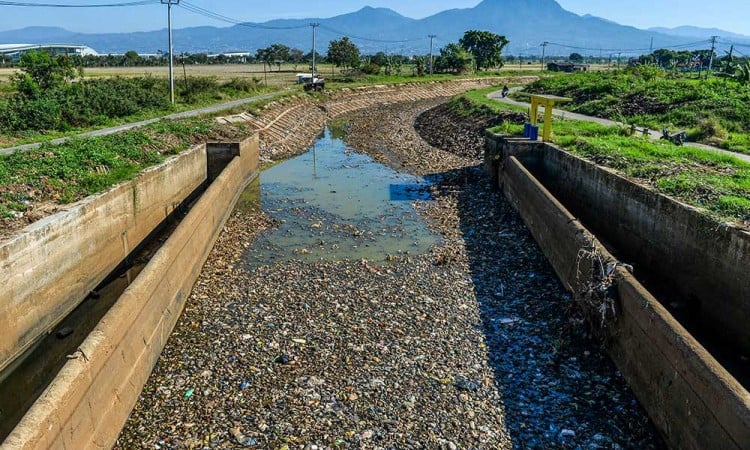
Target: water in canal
{"points": [[332, 203]]}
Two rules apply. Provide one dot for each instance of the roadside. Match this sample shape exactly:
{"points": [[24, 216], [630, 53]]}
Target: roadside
{"points": [[653, 134], [129, 126]]}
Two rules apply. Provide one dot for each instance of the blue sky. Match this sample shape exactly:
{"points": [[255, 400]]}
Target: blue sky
{"points": [[731, 15]]}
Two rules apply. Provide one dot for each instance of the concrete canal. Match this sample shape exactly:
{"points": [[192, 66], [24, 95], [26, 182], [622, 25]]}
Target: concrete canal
{"points": [[363, 308]]}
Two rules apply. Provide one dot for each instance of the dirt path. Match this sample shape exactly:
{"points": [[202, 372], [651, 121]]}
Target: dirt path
{"points": [[462, 347]]}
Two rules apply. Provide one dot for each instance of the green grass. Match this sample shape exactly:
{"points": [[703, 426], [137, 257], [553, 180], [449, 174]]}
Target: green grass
{"points": [[342, 81], [216, 93], [714, 111], [80, 167], [717, 182], [478, 98]]}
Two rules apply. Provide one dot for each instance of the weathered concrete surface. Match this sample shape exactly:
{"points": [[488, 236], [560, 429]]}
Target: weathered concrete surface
{"points": [[694, 401], [89, 401], [705, 262], [53, 264]]}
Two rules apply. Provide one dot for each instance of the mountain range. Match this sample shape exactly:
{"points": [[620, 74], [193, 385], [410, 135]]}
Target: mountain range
{"points": [[526, 23]]}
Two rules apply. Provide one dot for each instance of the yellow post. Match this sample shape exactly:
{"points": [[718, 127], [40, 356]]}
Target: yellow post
{"points": [[547, 133], [534, 108], [548, 101]]}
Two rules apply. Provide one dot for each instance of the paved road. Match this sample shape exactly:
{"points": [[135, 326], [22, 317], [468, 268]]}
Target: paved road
{"points": [[128, 126], [655, 134]]}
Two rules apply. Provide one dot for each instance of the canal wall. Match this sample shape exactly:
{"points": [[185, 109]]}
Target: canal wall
{"points": [[53, 264], [90, 399], [691, 398]]}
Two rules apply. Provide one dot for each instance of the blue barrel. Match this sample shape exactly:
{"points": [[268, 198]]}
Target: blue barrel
{"points": [[526, 129], [534, 132]]}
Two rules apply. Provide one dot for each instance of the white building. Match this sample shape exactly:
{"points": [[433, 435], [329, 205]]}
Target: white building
{"points": [[16, 50]]}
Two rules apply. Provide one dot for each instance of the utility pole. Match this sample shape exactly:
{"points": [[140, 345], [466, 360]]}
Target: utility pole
{"points": [[169, 4], [431, 36], [711, 56], [618, 59], [314, 25], [544, 47]]}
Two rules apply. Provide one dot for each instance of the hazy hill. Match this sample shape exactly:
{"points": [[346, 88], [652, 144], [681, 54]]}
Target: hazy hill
{"points": [[701, 33], [526, 23]]}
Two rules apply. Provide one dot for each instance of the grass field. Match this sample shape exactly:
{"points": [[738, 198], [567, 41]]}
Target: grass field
{"points": [[718, 183], [276, 76], [714, 111]]}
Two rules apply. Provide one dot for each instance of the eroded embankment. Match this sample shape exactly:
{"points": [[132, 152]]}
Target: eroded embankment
{"points": [[289, 126], [463, 347]]}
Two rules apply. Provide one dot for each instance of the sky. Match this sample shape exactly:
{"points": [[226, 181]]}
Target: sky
{"points": [[730, 15]]}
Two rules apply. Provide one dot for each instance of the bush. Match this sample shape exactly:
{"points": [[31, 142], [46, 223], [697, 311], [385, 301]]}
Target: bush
{"points": [[371, 69], [37, 114], [243, 84], [708, 130]]}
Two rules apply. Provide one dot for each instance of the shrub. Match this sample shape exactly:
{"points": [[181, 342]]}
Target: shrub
{"points": [[370, 69], [243, 84], [37, 114], [709, 130]]}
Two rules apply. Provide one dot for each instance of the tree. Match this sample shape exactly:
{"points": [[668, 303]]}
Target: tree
{"points": [[453, 58], [132, 58], [41, 72], [265, 55], [379, 58], [343, 53], [576, 57], [275, 54], [296, 56], [420, 65], [487, 47]]}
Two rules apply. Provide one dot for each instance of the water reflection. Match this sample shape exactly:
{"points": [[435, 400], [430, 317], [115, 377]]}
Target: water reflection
{"points": [[332, 203]]}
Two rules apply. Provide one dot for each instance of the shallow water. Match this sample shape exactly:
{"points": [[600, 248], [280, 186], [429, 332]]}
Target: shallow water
{"points": [[331, 203]]}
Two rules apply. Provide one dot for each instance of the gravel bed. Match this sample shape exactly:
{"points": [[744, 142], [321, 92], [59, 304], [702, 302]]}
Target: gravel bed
{"points": [[468, 346]]}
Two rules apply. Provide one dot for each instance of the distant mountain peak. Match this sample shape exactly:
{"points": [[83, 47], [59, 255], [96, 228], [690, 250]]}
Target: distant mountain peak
{"points": [[526, 23], [511, 5], [378, 11]]}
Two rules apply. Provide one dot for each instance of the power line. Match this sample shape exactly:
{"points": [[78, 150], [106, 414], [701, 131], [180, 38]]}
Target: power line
{"points": [[627, 50], [213, 15], [68, 5]]}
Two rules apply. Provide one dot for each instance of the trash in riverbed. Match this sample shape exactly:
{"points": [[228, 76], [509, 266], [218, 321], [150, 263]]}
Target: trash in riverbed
{"points": [[240, 438], [466, 385]]}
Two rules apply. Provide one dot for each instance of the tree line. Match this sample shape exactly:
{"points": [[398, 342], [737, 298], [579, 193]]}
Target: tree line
{"points": [[476, 50]]}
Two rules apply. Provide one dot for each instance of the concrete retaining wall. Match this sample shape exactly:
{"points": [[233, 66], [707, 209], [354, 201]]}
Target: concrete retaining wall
{"points": [[53, 264], [706, 263], [690, 397], [90, 400]]}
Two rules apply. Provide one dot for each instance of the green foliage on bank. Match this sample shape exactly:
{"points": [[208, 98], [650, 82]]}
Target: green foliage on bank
{"points": [[714, 111], [719, 183], [80, 167], [49, 96]]}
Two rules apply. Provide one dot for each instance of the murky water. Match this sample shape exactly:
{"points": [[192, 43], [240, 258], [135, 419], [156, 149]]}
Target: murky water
{"points": [[24, 382], [331, 203]]}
